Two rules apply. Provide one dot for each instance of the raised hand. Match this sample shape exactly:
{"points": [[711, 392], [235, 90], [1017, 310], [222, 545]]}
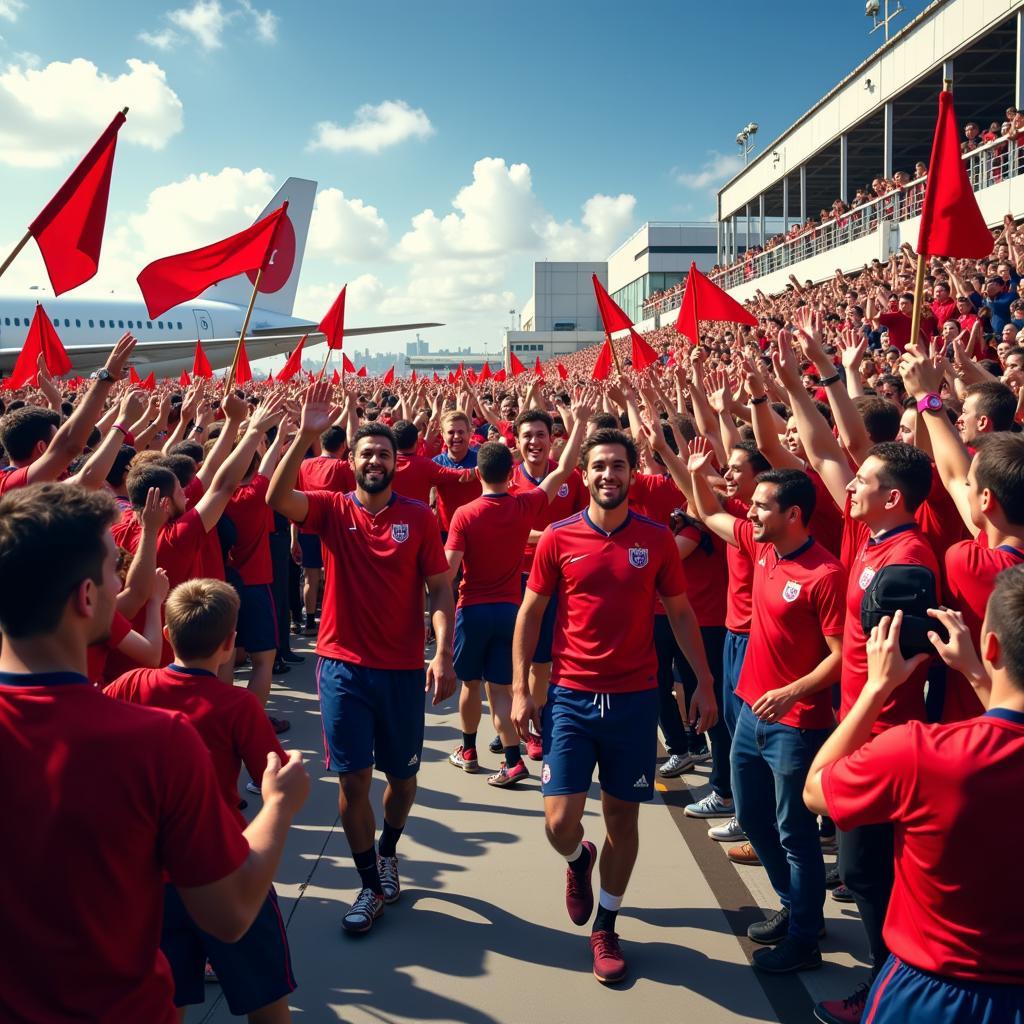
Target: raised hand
{"points": [[133, 403], [161, 586], [268, 414], [852, 345], [700, 455], [119, 356], [316, 409], [156, 511], [234, 407]]}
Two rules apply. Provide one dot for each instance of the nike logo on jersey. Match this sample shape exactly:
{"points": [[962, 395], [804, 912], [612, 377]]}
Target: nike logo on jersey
{"points": [[641, 783], [576, 559]]}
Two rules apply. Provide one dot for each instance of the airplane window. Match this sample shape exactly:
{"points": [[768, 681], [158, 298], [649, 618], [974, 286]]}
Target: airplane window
{"points": [[102, 324], [67, 322], [17, 321], [7, 321], [149, 325], [130, 324], [179, 325], [120, 323], [91, 324], [160, 324], [78, 323]]}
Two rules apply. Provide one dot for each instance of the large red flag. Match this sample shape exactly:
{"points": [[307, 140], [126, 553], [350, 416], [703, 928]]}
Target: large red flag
{"points": [[41, 340], [538, 370], [611, 316], [951, 223], [563, 372], [346, 364], [485, 373], [603, 366], [184, 380], [361, 372], [389, 377], [500, 376], [642, 355], [200, 364], [333, 324], [69, 230], [173, 279], [149, 384], [515, 365], [294, 361], [243, 372], [335, 377], [704, 300]]}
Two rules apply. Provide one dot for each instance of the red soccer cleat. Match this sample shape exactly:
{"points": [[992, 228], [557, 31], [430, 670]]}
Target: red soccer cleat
{"points": [[579, 891], [609, 963]]}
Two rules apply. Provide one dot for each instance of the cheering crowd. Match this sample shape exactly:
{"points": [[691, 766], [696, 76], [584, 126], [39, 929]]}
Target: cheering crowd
{"points": [[795, 548]]}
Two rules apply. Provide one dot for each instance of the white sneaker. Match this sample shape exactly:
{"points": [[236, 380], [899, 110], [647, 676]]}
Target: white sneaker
{"points": [[675, 766], [251, 787], [730, 832], [712, 806]]}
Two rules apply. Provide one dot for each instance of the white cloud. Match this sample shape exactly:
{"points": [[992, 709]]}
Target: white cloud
{"points": [[605, 223], [10, 9], [346, 230], [50, 114], [164, 40], [716, 170], [264, 22], [205, 21], [374, 128]]}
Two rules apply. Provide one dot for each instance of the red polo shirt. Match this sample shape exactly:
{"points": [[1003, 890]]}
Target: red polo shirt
{"points": [[571, 497]]}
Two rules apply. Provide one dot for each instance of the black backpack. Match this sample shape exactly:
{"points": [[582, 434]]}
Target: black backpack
{"points": [[912, 589]]}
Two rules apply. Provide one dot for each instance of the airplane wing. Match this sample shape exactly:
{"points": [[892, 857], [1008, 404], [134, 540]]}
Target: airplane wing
{"points": [[166, 358]]}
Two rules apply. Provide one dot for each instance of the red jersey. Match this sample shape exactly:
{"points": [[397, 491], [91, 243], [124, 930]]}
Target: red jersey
{"points": [[230, 720], [254, 522], [11, 479], [416, 474], [707, 576], [951, 912], [452, 495], [106, 798], [606, 584], [374, 570], [826, 525], [898, 326], [971, 571], [738, 609], [943, 311], [797, 602], [655, 496], [211, 557], [571, 497], [326, 473], [939, 519], [96, 654], [491, 531], [901, 546]]}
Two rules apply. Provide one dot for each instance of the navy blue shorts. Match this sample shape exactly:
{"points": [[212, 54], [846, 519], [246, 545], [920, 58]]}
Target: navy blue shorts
{"points": [[257, 619], [253, 972], [617, 732], [312, 553], [542, 655], [483, 642], [902, 993], [371, 716]]}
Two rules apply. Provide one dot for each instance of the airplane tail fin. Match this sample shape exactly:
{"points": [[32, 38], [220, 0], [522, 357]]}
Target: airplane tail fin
{"points": [[281, 277]]}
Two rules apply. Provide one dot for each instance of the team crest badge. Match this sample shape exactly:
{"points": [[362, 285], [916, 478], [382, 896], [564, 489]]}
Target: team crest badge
{"points": [[638, 557], [545, 774], [400, 532], [865, 578], [563, 491], [791, 591]]}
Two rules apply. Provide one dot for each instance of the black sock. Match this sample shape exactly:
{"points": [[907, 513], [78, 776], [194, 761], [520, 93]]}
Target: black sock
{"points": [[366, 865], [513, 756], [469, 741], [581, 864], [605, 920], [389, 836]]}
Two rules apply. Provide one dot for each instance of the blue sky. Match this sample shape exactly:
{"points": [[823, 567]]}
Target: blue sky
{"points": [[556, 127]]}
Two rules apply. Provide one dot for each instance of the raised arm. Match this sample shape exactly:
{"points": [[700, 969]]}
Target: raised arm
{"points": [[93, 474], [766, 424], [316, 418], [705, 504], [582, 411]]}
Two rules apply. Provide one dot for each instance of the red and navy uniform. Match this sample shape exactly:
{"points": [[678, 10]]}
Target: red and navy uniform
{"points": [[416, 474], [953, 924], [12, 478], [249, 557], [602, 706], [322, 473], [136, 789], [370, 673], [453, 495]]}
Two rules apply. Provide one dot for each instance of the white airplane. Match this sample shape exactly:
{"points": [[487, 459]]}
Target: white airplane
{"points": [[88, 327]]}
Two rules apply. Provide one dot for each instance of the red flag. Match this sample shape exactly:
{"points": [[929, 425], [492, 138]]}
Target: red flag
{"points": [[173, 279], [713, 304], [500, 376], [459, 371], [333, 324], [485, 373], [611, 316], [538, 370], [243, 372], [41, 340], [270, 376], [361, 372], [346, 364], [451, 377], [563, 372], [69, 230], [515, 365], [335, 377], [437, 380], [389, 377], [414, 376], [641, 355], [294, 361], [133, 376], [471, 374], [149, 384], [603, 366], [200, 364], [951, 223], [184, 380]]}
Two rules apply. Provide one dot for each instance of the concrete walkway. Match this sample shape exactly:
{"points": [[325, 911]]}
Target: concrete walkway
{"points": [[481, 935]]}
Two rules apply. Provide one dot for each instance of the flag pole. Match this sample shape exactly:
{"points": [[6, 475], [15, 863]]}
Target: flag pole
{"points": [[245, 327], [615, 355], [915, 317], [327, 357]]}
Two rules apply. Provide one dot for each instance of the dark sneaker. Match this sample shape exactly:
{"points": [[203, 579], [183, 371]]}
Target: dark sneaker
{"points": [[280, 668], [387, 868], [832, 878], [788, 957], [506, 776], [292, 657], [368, 906], [495, 746], [464, 758], [844, 1011], [279, 725], [775, 929], [579, 891], [609, 963], [841, 894]]}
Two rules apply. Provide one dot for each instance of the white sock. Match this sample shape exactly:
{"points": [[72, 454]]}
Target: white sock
{"points": [[572, 856], [609, 902]]}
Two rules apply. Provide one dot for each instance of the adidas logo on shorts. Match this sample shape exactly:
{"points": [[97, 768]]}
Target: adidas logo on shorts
{"points": [[641, 783], [414, 760]]}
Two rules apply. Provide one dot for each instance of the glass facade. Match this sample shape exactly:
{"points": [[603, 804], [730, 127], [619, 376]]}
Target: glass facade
{"points": [[631, 298]]}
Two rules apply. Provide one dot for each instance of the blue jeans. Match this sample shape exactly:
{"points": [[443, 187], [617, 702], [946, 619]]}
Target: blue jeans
{"points": [[733, 653], [769, 768]]}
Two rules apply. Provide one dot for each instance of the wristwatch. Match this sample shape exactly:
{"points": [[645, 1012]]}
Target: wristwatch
{"points": [[102, 374], [759, 400], [930, 403]]}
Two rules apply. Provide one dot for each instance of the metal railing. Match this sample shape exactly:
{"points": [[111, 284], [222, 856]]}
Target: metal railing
{"points": [[987, 165]]}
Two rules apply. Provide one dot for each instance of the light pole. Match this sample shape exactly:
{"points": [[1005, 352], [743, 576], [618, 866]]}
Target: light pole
{"points": [[745, 140]]}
